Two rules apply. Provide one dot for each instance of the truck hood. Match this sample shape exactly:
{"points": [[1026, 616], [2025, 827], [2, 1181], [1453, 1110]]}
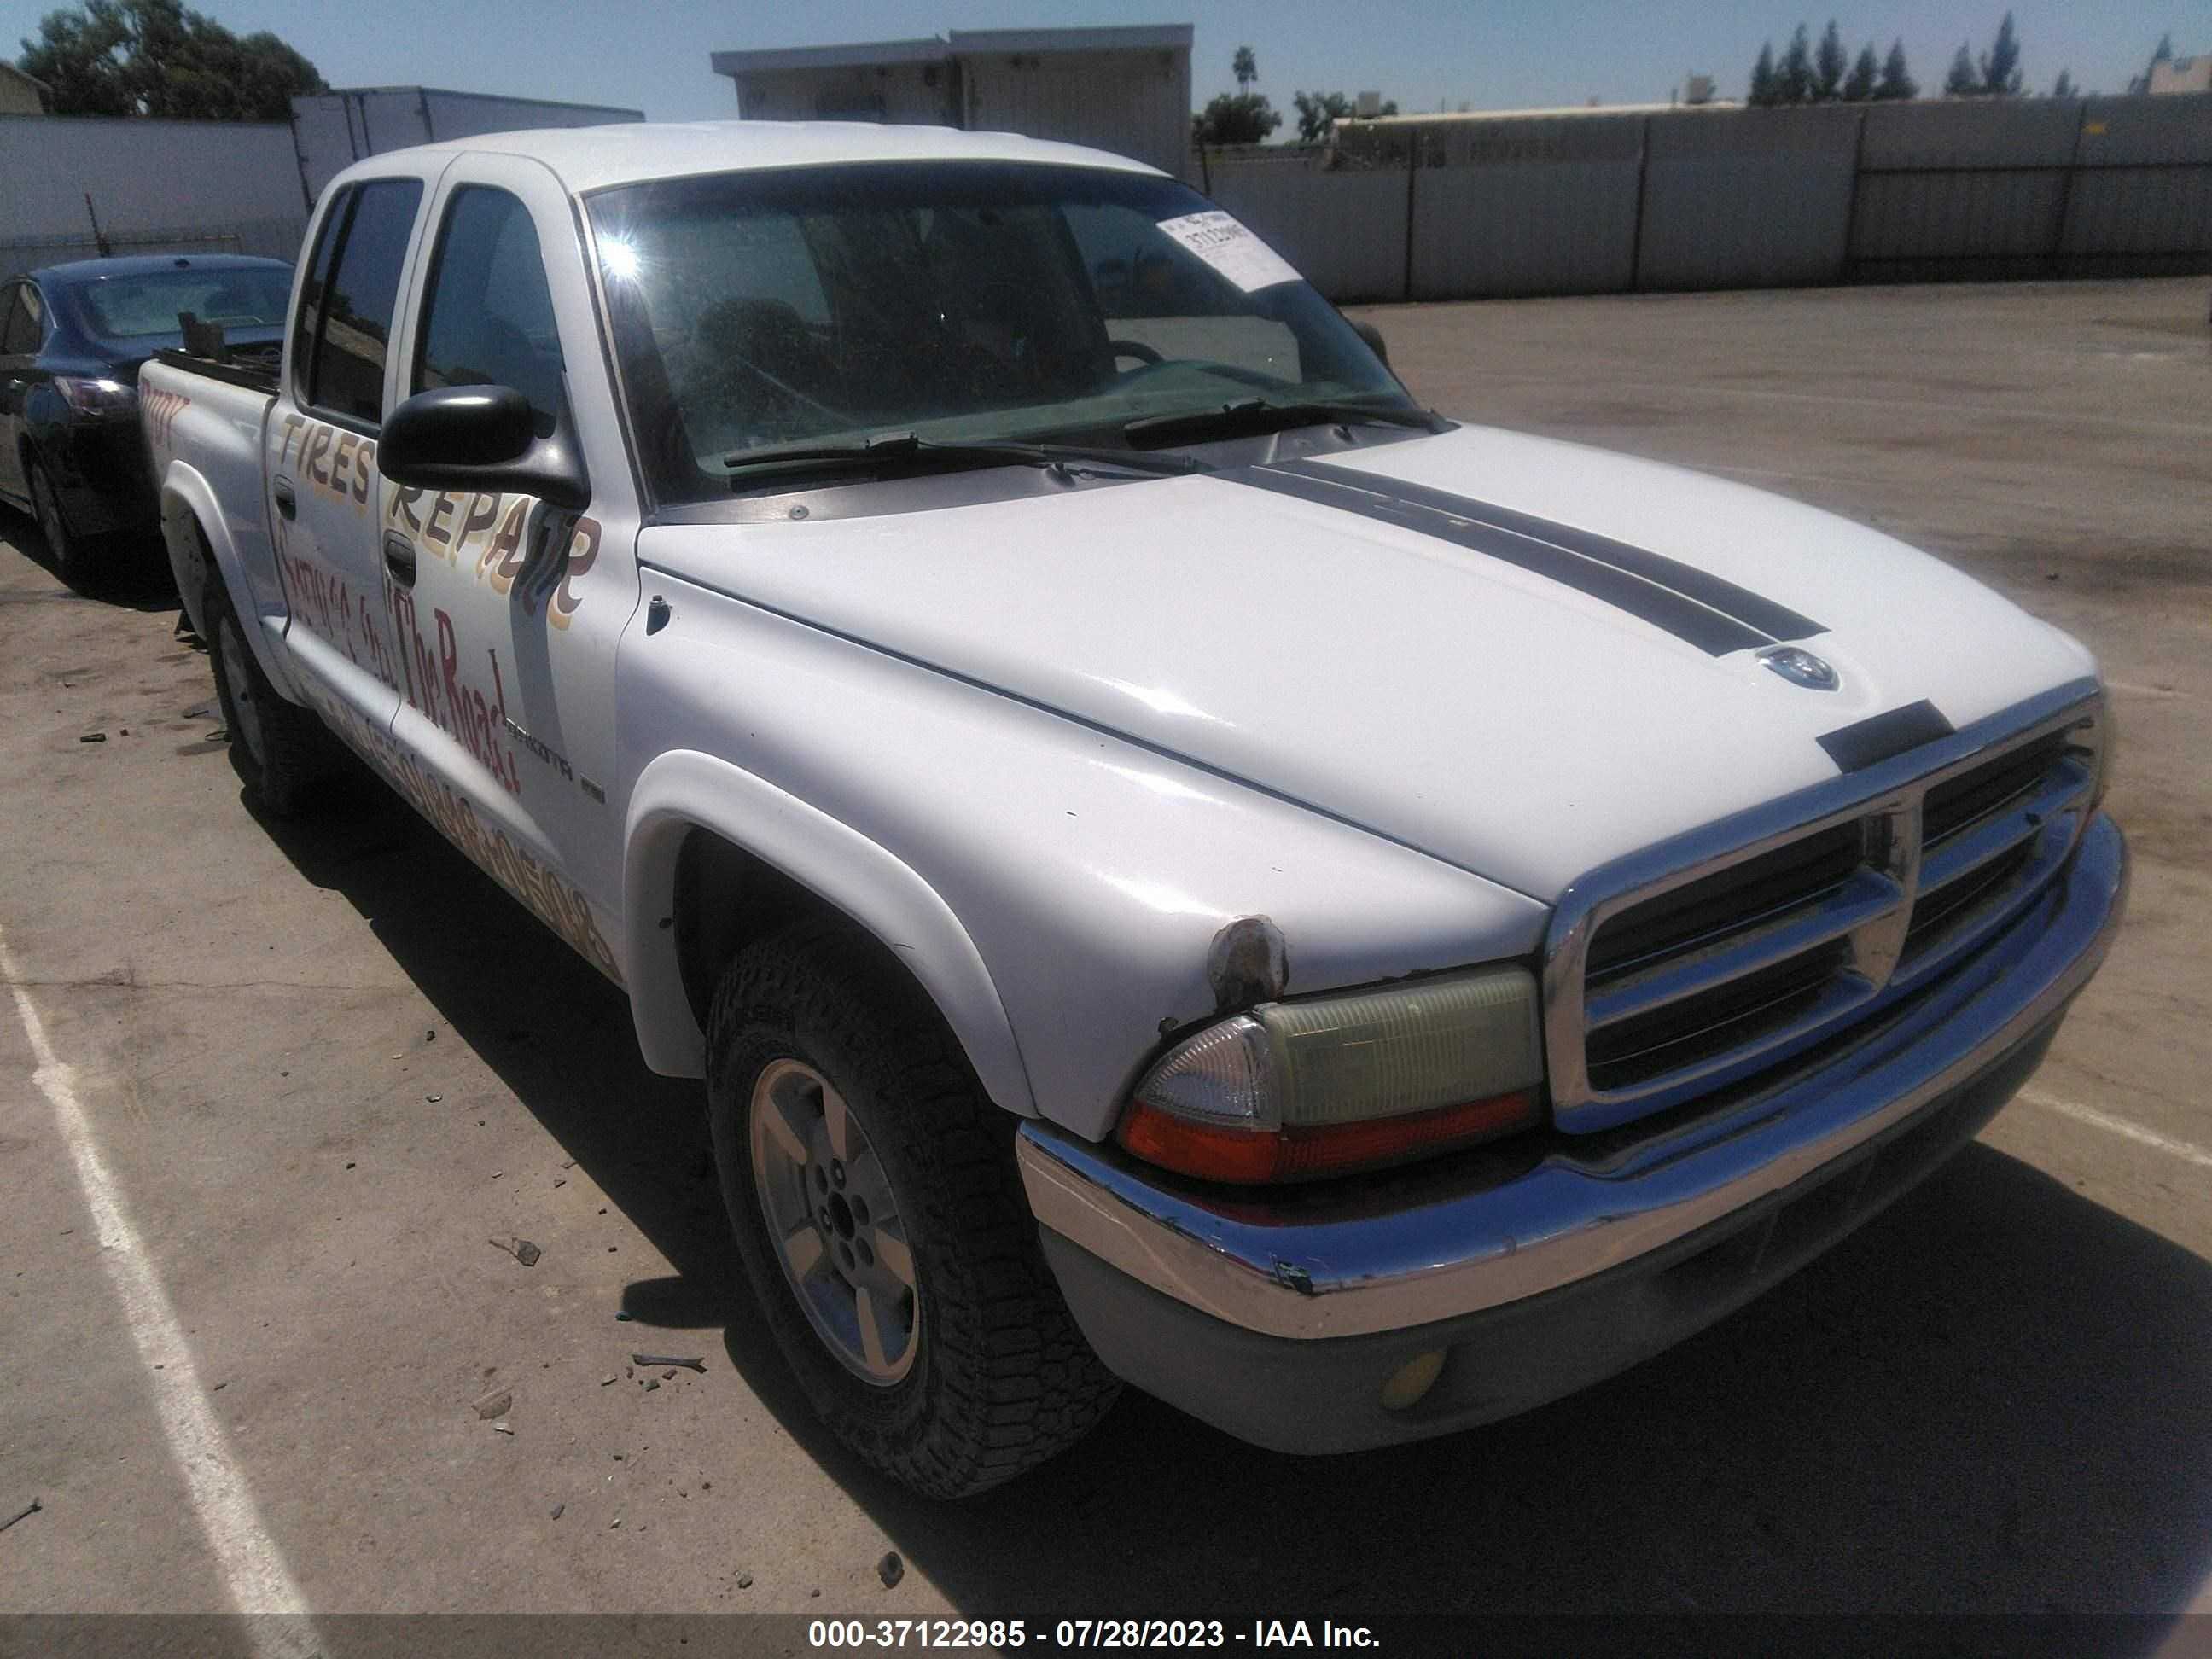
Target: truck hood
{"points": [[1427, 638]]}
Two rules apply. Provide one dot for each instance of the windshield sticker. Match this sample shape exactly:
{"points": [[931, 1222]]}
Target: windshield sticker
{"points": [[1231, 249]]}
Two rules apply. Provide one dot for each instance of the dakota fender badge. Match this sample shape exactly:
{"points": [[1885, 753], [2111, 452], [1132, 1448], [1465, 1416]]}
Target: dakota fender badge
{"points": [[1801, 668]]}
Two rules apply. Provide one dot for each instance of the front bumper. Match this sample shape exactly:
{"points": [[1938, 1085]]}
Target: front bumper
{"points": [[1537, 1271]]}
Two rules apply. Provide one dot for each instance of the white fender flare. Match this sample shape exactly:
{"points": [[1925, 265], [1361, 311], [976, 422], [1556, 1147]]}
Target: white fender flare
{"points": [[686, 790], [187, 500]]}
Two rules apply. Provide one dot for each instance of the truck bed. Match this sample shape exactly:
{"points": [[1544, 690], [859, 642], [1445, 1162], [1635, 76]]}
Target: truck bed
{"points": [[204, 421]]}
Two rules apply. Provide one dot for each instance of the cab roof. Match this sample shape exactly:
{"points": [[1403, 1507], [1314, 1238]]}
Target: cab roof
{"points": [[591, 158]]}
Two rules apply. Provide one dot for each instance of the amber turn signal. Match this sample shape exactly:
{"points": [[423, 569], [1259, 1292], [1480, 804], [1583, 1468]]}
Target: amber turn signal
{"points": [[1255, 1157]]}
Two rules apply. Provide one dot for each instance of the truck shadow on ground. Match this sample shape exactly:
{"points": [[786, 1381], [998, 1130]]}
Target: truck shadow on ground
{"points": [[1991, 1399]]}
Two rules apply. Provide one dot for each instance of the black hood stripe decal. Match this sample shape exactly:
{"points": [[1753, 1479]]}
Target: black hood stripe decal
{"points": [[1699, 609], [1754, 609]]}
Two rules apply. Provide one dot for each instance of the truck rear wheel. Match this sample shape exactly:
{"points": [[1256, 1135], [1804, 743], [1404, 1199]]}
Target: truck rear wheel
{"points": [[279, 750], [872, 1189]]}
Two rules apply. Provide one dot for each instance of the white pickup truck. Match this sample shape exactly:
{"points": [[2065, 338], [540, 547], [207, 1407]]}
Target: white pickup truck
{"points": [[1175, 864]]}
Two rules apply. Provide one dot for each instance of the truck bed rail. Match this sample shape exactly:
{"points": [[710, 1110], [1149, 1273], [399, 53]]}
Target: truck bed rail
{"points": [[254, 373]]}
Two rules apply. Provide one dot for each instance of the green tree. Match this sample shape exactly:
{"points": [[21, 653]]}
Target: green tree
{"points": [[2000, 62], [1242, 117], [1829, 63], [1793, 77], [1319, 112], [157, 58], [1897, 82], [2163, 55], [1762, 92], [1962, 82], [2064, 87], [1865, 73], [1236, 118]]}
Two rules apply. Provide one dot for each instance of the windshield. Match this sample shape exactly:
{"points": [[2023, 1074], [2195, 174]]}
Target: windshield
{"points": [[120, 307], [959, 301]]}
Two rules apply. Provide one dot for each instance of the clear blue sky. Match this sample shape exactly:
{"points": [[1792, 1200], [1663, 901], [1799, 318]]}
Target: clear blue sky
{"points": [[1528, 52]]}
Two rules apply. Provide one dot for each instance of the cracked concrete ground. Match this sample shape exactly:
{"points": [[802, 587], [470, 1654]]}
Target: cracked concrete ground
{"points": [[327, 1063]]}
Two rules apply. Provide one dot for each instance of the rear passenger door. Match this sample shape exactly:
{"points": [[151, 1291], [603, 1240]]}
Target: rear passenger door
{"points": [[515, 606], [326, 495]]}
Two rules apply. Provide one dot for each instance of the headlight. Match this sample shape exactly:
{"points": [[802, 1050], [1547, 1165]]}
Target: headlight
{"points": [[1296, 1090], [100, 397]]}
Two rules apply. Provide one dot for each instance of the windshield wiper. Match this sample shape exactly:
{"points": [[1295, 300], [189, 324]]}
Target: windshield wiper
{"points": [[894, 446], [1257, 415]]}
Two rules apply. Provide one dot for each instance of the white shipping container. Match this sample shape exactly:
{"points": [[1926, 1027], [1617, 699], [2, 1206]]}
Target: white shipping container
{"points": [[154, 186]]}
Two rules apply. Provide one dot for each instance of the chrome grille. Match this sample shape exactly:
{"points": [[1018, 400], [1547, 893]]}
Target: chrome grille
{"points": [[1720, 954]]}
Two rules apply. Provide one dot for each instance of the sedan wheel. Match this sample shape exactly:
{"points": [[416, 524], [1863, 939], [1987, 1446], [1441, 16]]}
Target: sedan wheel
{"points": [[62, 547]]}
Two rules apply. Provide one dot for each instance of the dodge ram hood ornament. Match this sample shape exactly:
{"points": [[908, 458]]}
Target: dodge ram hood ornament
{"points": [[1801, 668]]}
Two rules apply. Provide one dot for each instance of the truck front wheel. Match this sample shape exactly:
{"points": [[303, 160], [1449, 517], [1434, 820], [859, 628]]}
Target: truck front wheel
{"points": [[873, 1192]]}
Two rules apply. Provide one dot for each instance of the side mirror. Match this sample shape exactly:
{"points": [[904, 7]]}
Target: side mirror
{"points": [[1367, 332], [481, 437]]}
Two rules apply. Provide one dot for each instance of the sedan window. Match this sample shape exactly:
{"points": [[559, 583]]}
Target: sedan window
{"points": [[26, 328], [123, 307]]}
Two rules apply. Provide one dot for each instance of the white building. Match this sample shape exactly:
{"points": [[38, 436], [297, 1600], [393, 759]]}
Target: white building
{"points": [[2183, 74], [1125, 89], [21, 94]]}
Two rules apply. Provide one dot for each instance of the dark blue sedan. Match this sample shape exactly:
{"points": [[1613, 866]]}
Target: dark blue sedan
{"points": [[71, 339]]}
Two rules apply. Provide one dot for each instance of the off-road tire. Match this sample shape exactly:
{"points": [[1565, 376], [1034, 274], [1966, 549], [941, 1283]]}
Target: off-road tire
{"points": [[293, 752], [1002, 1379]]}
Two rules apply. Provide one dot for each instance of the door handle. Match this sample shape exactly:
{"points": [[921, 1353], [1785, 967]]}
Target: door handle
{"points": [[286, 502], [399, 558]]}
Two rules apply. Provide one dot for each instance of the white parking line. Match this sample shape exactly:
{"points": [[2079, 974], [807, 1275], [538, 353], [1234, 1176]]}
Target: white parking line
{"points": [[253, 1569], [2119, 1126]]}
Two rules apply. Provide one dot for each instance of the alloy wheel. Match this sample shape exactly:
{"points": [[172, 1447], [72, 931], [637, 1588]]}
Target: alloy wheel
{"points": [[834, 1221]]}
